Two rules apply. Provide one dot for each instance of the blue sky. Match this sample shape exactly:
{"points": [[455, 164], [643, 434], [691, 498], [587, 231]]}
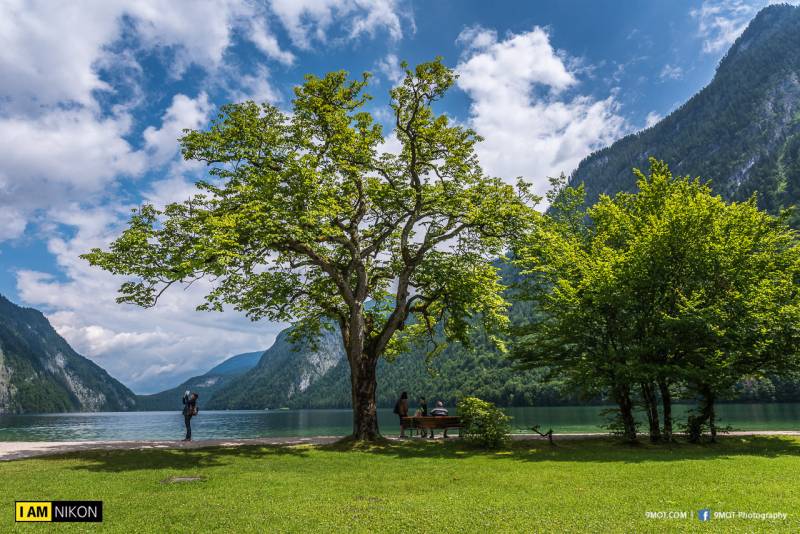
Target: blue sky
{"points": [[94, 95]]}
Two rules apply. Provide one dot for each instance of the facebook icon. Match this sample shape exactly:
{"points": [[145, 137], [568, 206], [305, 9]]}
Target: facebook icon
{"points": [[704, 514]]}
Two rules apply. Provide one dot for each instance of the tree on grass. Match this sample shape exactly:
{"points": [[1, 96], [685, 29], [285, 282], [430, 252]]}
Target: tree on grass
{"points": [[666, 287], [307, 218]]}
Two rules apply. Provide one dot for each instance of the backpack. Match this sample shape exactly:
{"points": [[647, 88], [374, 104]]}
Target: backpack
{"points": [[397, 407]]}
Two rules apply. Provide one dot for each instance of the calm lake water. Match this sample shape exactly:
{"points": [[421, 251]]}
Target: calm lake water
{"points": [[252, 424]]}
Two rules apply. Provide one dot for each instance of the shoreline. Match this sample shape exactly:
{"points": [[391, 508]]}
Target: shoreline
{"points": [[17, 450]]}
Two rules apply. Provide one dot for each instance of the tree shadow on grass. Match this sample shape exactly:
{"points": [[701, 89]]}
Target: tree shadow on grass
{"points": [[121, 460], [585, 450]]}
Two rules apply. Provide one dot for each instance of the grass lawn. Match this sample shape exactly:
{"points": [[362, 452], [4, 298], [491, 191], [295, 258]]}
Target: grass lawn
{"points": [[592, 485]]}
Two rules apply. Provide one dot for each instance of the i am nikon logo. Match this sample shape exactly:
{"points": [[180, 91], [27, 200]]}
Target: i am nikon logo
{"points": [[59, 511]]}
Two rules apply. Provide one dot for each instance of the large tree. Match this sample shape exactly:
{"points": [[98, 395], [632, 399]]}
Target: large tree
{"points": [[308, 218]]}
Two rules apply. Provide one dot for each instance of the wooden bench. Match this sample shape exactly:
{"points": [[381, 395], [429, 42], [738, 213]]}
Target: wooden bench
{"points": [[431, 422]]}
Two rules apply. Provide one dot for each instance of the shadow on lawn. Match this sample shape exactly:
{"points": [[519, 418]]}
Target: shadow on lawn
{"points": [[587, 450], [115, 461]]}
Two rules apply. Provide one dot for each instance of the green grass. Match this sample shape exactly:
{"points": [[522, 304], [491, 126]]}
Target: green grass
{"points": [[586, 486]]}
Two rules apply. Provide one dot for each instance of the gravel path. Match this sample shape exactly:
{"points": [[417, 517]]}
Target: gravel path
{"points": [[14, 450]]}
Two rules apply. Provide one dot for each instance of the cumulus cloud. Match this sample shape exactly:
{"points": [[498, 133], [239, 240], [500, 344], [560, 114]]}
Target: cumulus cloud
{"points": [[58, 140], [268, 43], [526, 105], [308, 21], [161, 143], [150, 349], [721, 22], [12, 223], [390, 67], [64, 154], [71, 142], [652, 119], [58, 144], [49, 51], [256, 86]]}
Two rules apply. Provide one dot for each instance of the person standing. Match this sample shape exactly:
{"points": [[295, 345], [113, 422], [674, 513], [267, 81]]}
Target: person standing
{"points": [[189, 411], [401, 409]]}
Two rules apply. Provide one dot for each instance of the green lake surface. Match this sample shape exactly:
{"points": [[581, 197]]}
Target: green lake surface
{"points": [[251, 423]]}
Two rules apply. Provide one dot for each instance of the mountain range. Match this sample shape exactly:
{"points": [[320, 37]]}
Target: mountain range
{"points": [[204, 385]]}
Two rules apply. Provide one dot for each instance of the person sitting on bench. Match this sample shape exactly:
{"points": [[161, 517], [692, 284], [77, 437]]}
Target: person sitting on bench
{"points": [[422, 411], [439, 411]]}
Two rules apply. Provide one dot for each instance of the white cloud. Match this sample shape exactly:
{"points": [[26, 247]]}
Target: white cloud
{"points": [[62, 155], [671, 72], [72, 155], [652, 119], [161, 143], [523, 104], [390, 67], [268, 43], [65, 150], [256, 87], [56, 143], [307, 21], [49, 51], [721, 22], [201, 31], [12, 222], [477, 38], [149, 349]]}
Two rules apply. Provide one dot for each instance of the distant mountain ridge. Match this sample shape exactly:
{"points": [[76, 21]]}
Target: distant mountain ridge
{"points": [[205, 385], [286, 371], [40, 372], [742, 131], [237, 365]]}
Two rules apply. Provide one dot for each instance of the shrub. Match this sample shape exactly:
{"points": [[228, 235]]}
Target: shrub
{"points": [[482, 423]]}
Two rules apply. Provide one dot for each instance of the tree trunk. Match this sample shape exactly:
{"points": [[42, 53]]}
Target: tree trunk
{"points": [[712, 424], [705, 414], [651, 407], [666, 401], [363, 380], [623, 399]]}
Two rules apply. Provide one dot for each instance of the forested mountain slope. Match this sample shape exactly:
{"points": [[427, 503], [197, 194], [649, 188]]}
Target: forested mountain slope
{"points": [[40, 372], [742, 131]]}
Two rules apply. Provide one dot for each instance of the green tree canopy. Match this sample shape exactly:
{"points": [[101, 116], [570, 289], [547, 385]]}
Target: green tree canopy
{"points": [[668, 285], [307, 218]]}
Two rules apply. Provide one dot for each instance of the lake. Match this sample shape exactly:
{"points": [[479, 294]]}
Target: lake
{"points": [[252, 424]]}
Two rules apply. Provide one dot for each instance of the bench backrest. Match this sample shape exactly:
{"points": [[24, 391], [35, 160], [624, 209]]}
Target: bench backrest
{"points": [[432, 421]]}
